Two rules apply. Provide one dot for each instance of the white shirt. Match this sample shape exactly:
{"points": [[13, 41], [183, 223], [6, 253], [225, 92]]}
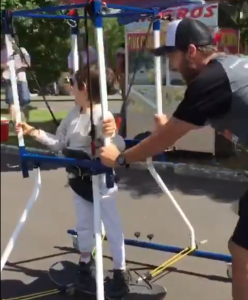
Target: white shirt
{"points": [[92, 57], [19, 63], [73, 133]]}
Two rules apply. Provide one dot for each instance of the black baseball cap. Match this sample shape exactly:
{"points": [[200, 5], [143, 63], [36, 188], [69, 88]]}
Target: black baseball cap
{"points": [[182, 33]]}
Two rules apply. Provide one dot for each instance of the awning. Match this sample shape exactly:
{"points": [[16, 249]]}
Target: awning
{"points": [[145, 4]]}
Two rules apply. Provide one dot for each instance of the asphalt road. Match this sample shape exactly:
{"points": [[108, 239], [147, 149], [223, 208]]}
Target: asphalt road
{"points": [[65, 103], [208, 204], [114, 105]]}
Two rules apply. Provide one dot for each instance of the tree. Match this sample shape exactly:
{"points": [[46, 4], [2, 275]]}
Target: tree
{"points": [[236, 10], [114, 36], [47, 40]]}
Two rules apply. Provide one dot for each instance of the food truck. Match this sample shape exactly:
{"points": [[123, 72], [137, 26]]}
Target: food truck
{"points": [[139, 60]]}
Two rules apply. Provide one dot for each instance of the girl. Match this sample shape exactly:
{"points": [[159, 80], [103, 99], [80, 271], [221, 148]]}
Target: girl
{"points": [[74, 134]]}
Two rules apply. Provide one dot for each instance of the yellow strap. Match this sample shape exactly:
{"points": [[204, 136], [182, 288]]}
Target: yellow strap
{"points": [[35, 295], [171, 261], [94, 250]]}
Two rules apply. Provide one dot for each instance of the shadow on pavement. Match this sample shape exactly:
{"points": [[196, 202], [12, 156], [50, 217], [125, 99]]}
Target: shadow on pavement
{"points": [[140, 183], [41, 286], [13, 288]]}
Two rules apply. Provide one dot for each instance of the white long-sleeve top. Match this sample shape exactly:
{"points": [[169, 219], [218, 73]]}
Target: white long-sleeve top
{"points": [[73, 133]]}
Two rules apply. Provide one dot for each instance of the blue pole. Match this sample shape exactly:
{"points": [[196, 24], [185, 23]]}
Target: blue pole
{"points": [[172, 249]]}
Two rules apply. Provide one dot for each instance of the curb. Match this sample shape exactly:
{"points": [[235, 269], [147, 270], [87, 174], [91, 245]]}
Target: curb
{"points": [[194, 170]]}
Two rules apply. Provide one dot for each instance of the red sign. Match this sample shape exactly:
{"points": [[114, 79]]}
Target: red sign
{"points": [[138, 41], [208, 14], [229, 41]]}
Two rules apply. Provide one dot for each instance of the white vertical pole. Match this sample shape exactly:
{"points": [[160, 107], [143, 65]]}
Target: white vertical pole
{"points": [[74, 50], [150, 166], [126, 61], [102, 70], [157, 67], [11, 63], [95, 179], [13, 239]]}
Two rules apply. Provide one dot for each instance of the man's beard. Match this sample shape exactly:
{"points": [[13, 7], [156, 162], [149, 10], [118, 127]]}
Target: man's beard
{"points": [[188, 71]]}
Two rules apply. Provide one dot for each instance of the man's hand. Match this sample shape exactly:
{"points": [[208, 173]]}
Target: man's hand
{"points": [[109, 127], [108, 155], [160, 120]]}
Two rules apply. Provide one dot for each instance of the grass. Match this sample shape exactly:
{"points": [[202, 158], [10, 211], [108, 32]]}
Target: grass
{"points": [[38, 118]]}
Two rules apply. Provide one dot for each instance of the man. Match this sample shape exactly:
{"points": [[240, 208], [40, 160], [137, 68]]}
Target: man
{"points": [[83, 56], [217, 94], [120, 69], [22, 62]]}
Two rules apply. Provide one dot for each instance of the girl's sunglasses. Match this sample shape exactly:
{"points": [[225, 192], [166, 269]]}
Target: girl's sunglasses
{"points": [[80, 86], [71, 81]]}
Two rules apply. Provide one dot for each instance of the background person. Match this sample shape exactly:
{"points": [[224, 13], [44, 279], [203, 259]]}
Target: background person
{"points": [[120, 69], [22, 62], [82, 55]]}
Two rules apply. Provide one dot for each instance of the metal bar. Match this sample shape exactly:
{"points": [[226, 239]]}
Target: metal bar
{"points": [[24, 12], [74, 57], [172, 249], [63, 161], [99, 36], [124, 14], [124, 7], [40, 16], [13, 239]]}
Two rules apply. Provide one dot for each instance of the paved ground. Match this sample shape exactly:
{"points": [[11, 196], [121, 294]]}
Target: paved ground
{"points": [[63, 106], [209, 205], [114, 105], [64, 103]]}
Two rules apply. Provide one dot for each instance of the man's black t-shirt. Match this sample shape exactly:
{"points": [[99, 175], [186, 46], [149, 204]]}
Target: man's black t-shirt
{"points": [[218, 96]]}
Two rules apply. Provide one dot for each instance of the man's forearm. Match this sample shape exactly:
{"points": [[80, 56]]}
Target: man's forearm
{"points": [[165, 137]]}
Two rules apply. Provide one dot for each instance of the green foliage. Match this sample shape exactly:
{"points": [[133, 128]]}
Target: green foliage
{"points": [[233, 11], [114, 37], [243, 23], [47, 40]]}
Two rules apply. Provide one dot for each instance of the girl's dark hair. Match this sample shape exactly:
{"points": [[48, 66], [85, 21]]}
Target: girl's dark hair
{"points": [[81, 77]]}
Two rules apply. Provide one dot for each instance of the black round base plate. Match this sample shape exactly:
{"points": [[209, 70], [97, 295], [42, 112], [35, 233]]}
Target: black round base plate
{"points": [[63, 275]]}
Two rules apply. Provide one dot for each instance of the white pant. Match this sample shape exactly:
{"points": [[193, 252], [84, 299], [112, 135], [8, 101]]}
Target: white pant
{"points": [[112, 224]]}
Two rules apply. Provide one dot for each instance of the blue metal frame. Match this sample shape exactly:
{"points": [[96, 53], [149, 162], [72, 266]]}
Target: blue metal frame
{"points": [[171, 249], [32, 12], [94, 166]]}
